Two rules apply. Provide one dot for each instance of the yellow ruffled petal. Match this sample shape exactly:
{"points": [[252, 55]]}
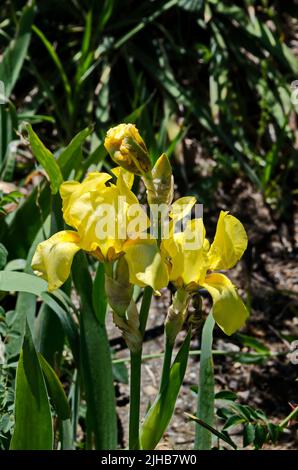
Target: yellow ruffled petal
{"points": [[146, 267], [185, 254], [53, 258], [74, 195], [229, 311], [103, 215], [229, 243], [98, 213]]}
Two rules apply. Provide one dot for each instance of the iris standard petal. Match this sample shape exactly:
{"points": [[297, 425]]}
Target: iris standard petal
{"points": [[229, 243], [53, 258], [74, 195], [127, 176], [146, 267], [229, 311], [185, 253]]}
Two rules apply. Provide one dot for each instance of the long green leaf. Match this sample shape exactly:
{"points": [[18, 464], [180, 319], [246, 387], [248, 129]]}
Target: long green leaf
{"points": [[160, 413], [8, 148], [25, 305], [96, 363], [13, 281], [17, 233], [22, 282], [14, 56], [203, 439], [65, 159], [214, 431], [46, 159], [54, 56], [55, 389], [33, 422]]}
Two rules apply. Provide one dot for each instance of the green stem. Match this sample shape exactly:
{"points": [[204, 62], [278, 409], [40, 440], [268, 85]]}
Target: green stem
{"points": [[166, 364], [144, 312], [215, 352], [135, 390], [291, 416], [205, 404], [135, 376]]}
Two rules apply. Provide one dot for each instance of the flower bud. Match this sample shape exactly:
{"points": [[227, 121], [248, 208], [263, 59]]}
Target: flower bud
{"points": [[129, 325], [177, 313], [127, 148], [159, 183], [118, 288], [125, 314]]}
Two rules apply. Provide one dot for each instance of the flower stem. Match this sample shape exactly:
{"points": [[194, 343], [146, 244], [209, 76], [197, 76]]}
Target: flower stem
{"points": [[135, 376], [144, 312], [135, 390], [205, 406]]}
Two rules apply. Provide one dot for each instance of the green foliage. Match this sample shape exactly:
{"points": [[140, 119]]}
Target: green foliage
{"points": [[211, 73], [15, 54], [161, 411], [46, 159], [95, 363], [256, 427], [55, 389], [205, 403], [33, 421], [227, 68]]}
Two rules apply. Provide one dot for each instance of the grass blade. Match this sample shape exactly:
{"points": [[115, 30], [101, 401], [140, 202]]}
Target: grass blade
{"points": [[55, 389], [33, 421], [214, 431], [65, 159], [14, 56], [54, 56], [46, 159]]}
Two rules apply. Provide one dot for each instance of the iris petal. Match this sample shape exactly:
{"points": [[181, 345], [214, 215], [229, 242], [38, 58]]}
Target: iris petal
{"points": [[185, 253], [146, 267], [75, 196], [229, 243], [53, 258], [229, 311]]}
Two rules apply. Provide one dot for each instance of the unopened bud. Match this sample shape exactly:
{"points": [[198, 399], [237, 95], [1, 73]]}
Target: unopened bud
{"points": [[195, 317], [125, 314], [129, 325], [118, 288], [159, 183], [177, 314], [127, 148]]}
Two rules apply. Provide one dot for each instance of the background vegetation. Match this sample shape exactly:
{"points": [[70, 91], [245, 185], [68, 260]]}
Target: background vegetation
{"points": [[208, 82]]}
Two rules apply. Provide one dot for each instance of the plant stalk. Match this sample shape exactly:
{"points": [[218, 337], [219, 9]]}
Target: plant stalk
{"points": [[205, 404], [135, 376]]}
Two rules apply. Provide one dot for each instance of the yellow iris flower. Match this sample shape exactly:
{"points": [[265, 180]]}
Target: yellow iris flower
{"points": [[191, 262], [90, 207]]}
